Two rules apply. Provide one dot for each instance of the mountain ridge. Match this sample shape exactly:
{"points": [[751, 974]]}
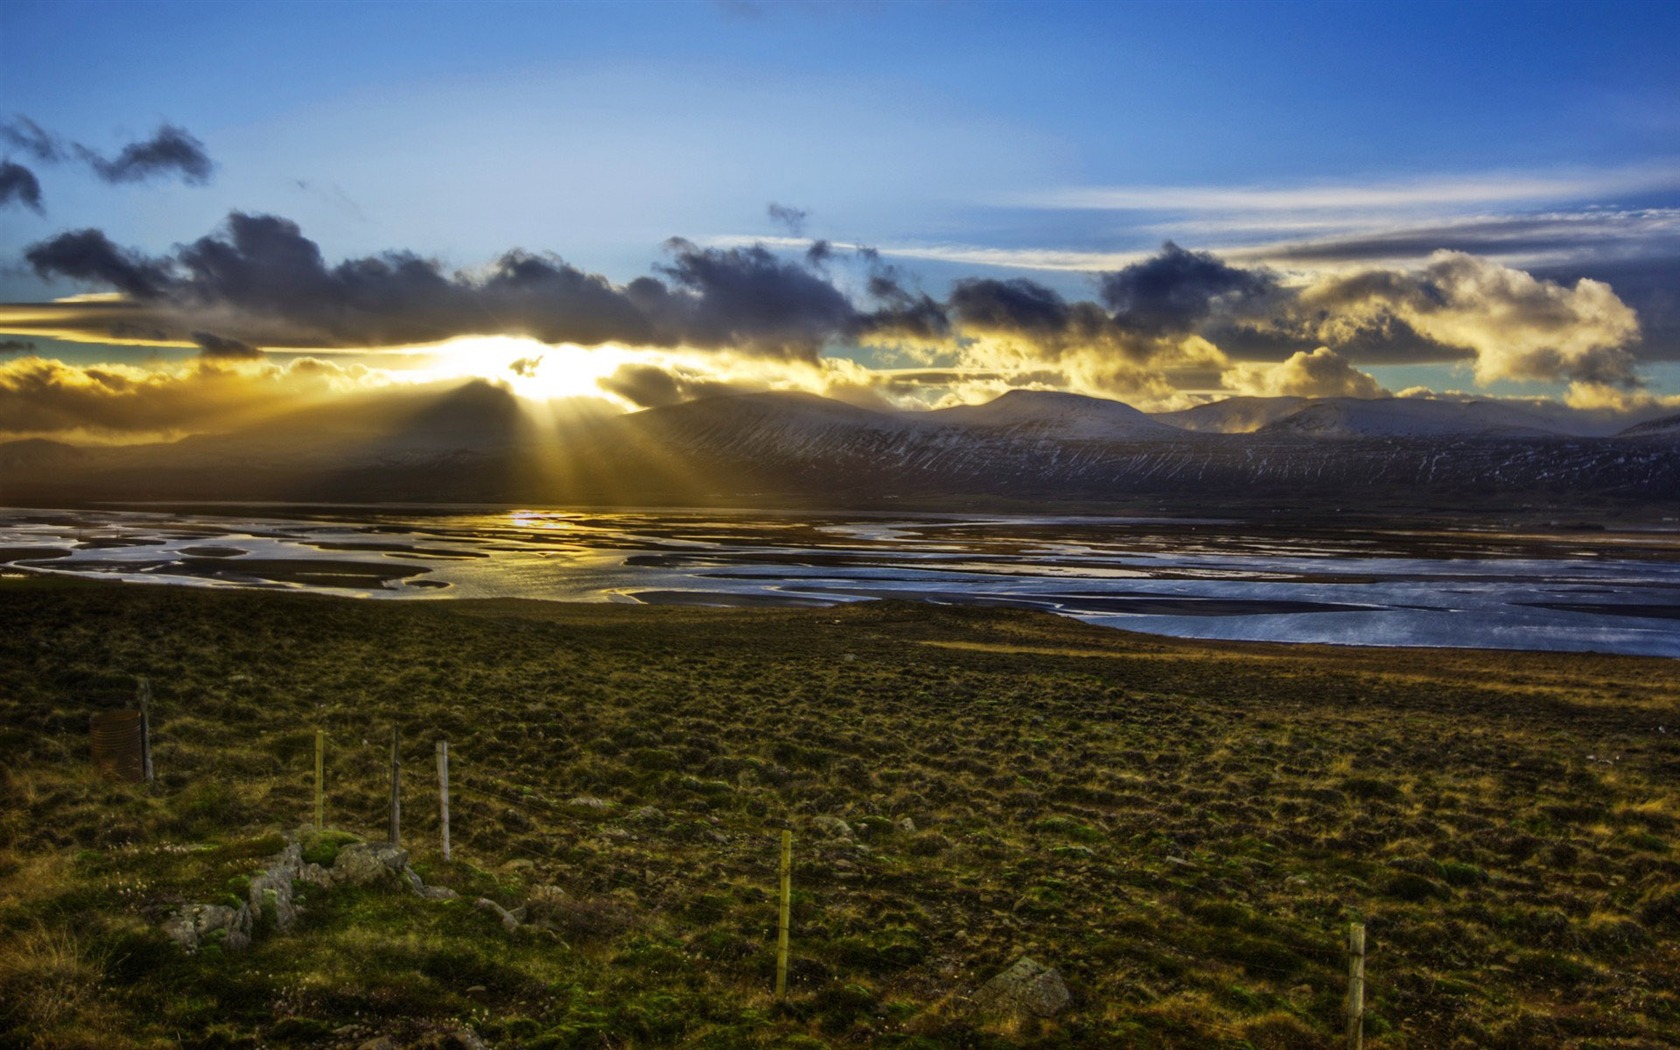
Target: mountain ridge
{"points": [[1042, 448]]}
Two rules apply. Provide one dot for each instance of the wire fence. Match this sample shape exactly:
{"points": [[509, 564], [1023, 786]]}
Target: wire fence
{"points": [[582, 838]]}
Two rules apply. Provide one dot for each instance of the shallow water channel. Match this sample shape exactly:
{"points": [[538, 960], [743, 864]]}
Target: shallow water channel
{"points": [[1405, 584]]}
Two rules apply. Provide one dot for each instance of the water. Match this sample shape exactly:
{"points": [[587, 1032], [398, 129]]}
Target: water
{"points": [[1204, 578]]}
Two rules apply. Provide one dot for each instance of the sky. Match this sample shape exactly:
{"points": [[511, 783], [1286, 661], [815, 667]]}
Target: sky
{"points": [[895, 204]]}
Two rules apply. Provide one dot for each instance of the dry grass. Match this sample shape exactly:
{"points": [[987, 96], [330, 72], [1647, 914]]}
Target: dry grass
{"points": [[1182, 828]]}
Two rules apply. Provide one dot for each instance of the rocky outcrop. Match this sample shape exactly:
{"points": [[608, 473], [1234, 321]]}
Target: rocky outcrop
{"points": [[198, 926], [271, 899]]}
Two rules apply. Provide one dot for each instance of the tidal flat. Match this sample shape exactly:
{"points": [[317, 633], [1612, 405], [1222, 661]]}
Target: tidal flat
{"points": [[1184, 829], [1392, 581]]}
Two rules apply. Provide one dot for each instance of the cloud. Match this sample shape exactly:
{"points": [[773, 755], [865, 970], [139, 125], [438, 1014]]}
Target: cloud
{"points": [[258, 279], [22, 133], [171, 150], [1516, 326], [749, 298], [1321, 373], [1432, 193], [18, 185], [117, 402], [790, 219], [1179, 319], [215, 346], [16, 346], [1177, 289], [89, 256], [654, 385]]}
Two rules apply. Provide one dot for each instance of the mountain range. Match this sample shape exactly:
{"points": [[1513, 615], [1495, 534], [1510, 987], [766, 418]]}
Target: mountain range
{"points": [[477, 443]]}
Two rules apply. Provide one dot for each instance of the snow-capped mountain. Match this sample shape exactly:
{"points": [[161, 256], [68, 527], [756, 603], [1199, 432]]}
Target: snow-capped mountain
{"points": [[1410, 417], [1234, 415], [1053, 414], [1033, 448]]}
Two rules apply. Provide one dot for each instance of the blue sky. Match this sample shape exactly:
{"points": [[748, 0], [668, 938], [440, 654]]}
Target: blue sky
{"points": [[1050, 142]]}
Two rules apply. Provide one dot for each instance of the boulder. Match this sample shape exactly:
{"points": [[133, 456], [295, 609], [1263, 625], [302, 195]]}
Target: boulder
{"points": [[832, 827], [1027, 987], [196, 926], [367, 863], [509, 920], [431, 893], [271, 888]]}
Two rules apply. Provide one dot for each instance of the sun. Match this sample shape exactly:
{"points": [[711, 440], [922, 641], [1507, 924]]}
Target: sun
{"points": [[533, 370]]}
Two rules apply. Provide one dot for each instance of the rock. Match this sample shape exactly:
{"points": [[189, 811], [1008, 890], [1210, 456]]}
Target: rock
{"points": [[906, 825], [545, 897], [315, 875], [832, 827], [196, 926], [271, 889], [600, 805], [1027, 987], [431, 893], [379, 1042], [366, 863], [508, 919], [453, 1039], [648, 815]]}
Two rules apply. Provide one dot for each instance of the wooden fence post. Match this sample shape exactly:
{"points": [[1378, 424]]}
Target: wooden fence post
{"points": [[143, 688], [443, 792], [320, 779], [1356, 987], [782, 926], [396, 791]]}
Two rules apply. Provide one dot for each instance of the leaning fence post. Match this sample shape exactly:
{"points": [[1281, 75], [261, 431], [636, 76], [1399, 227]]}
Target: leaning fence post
{"points": [[396, 791], [443, 792], [782, 926], [1356, 987], [320, 779], [143, 689]]}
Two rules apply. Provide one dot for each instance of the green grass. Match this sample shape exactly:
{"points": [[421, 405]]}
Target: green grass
{"points": [[1184, 829]]}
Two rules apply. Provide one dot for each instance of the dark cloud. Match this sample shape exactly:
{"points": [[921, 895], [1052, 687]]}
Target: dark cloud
{"points": [[1028, 312], [259, 281], [89, 256], [22, 133], [750, 298], [790, 219], [525, 366], [1012, 306], [215, 346], [171, 150], [16, 346], [18, 185], [130, 330], [649, 386], [1174, 291]]}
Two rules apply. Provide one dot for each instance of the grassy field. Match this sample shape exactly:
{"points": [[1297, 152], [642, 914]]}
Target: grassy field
{"points": [[1183, 829]]}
